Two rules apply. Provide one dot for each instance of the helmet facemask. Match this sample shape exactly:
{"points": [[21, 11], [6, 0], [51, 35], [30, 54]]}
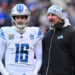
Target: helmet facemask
{"points": [[20, 26]]}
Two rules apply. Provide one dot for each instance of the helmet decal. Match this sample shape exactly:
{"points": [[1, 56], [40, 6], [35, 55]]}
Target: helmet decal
{"points": [[20, 8]]}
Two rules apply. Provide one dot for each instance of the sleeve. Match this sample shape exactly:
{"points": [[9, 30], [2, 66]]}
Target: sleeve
{"points": [[2, 50], [2, 44], [38, 53], [2, 35]]}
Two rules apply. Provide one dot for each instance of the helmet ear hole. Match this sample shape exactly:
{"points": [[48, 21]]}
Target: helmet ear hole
{"points": [[26, 16], [13, 17]]}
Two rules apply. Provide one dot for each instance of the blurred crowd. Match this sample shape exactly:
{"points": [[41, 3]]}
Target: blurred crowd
{"points": [[38, 9]]}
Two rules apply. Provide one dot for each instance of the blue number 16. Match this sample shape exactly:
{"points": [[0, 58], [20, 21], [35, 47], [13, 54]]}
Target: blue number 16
{"points": [[21, 52]]}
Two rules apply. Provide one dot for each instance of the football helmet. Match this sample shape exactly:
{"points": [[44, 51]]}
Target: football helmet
{"points": [[20, 10]]}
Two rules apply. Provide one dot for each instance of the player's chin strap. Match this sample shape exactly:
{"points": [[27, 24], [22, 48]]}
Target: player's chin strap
{"points": [[21, 31]]}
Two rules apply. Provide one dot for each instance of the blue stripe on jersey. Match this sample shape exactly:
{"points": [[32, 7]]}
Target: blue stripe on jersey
{"points": [[2, 34], [39, 33], [19, 8]]}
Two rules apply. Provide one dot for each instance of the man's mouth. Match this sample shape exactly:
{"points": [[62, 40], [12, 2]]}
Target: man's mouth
{"points": [[51, 20]]}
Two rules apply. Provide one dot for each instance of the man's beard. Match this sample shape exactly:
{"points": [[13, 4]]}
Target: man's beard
{"points": [[51, 24], [58, 25]]}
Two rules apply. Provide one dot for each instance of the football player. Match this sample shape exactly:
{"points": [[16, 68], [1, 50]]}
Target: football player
{"points": [[20, 43]]}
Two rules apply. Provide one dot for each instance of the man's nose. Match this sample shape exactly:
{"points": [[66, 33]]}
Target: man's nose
{"points": [[20, 18]]}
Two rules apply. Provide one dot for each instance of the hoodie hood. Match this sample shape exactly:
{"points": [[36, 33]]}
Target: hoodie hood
{"points": [[67, 23]]}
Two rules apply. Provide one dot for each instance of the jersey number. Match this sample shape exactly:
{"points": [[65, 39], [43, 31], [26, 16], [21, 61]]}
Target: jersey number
{"points": [[21, 52]]}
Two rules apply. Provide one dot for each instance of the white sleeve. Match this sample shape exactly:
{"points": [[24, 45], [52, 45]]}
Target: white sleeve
{"points": [[38, 53], [2, 43], [2, 50]]}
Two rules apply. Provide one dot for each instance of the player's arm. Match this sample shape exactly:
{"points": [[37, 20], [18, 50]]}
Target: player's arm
{"points": [[2, 50], [38, 54]]}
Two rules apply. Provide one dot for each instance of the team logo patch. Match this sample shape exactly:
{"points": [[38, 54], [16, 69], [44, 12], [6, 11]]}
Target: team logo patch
{"points": [[60, 37], [11, 36], [31, 36]]}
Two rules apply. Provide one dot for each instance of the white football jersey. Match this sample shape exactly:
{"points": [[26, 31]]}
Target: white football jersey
{"points": [[20, 49]]}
